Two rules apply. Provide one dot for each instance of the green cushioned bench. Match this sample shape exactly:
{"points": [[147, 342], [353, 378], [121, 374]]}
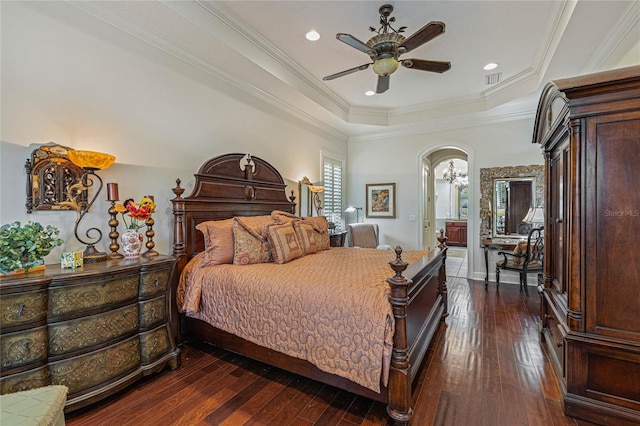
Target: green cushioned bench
{"points": [[35, 407]]}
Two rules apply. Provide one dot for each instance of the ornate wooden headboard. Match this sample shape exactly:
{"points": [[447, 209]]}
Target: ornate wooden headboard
{"points": [[226, 186]]}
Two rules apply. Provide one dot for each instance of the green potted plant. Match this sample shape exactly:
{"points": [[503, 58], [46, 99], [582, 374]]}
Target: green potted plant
{"points": [[23, 247]]}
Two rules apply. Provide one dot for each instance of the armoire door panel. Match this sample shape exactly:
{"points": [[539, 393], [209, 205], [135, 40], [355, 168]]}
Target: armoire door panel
{"points": [[613, 261]]}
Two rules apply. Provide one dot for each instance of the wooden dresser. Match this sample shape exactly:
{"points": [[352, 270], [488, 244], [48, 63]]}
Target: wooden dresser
{"points": [[589, 128], [95, 330]]}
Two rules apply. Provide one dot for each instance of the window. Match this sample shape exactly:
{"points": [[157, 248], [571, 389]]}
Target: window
{"points": [[333, 170]]}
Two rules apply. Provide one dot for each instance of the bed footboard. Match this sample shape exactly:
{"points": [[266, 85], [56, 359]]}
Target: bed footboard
{"points": [[419, 305]]}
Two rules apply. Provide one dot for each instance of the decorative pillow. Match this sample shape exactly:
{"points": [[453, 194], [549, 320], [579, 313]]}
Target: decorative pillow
{"points": [[321, 226], [280, 216], [257, 225], [284, 242], [218, 241], [306, 236], [519, 250], [250, 240]]}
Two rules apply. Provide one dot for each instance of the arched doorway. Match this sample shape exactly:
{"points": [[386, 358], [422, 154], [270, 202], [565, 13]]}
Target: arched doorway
{"points": [[434, 189]]}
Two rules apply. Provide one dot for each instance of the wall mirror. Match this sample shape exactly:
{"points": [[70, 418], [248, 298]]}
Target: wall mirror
{"points": [[463, 201], [49, 175], [506, 195], [305, 202], [512, 198]]}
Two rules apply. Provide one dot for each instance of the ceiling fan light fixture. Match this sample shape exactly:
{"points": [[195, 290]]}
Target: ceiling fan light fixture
{"points": [[385, 66]]}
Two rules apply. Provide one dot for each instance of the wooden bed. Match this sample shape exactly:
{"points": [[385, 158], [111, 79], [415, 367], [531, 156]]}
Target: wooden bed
{"points": [[240, 185]]}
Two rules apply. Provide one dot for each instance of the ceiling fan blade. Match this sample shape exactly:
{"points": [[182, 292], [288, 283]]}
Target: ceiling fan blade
{"points": [[430, 31], [425, 65], [346, 72], [383, 83], [354, 42]]}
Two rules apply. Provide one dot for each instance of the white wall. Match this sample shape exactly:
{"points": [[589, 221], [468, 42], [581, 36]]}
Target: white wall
{"points": [[73, 79], [83, 84], [505, 143]]}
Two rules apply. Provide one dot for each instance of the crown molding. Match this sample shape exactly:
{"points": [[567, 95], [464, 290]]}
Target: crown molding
{"points": [[300, 94], [448, 123], [220, 22], [619, 32], [302, 79], [153, 38]]}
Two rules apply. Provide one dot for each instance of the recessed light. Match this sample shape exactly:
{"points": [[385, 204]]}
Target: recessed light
{"points": [[313, 35], [369, 93], [491, 66]]}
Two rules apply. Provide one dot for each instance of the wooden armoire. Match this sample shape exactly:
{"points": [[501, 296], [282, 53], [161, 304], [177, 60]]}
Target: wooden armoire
{"points": [[589, 128]]}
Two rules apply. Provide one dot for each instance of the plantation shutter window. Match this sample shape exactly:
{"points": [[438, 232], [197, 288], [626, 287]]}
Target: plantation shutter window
{"points": [[332, 177]]}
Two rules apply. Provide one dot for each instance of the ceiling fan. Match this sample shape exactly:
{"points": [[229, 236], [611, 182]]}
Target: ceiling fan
{"points": [[385, 48]]}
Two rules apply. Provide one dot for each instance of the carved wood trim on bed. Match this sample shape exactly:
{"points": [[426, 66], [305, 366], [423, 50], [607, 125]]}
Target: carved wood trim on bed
{"points": [[223, 189]]}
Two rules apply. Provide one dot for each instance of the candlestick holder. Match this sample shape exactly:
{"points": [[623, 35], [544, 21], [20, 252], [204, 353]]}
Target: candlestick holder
{"points": [[150, 233], [113, 235]]}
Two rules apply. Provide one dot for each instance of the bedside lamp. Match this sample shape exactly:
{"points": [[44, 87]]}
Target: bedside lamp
{"points": [[316, 190], [90, 162]]}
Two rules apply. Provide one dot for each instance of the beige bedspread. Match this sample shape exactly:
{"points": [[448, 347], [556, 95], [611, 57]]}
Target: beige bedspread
{"points": [[330, 308]]}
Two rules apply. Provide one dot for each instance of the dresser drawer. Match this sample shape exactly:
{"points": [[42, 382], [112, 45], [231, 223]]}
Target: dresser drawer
{"points": [[153, 312], [93, 369], [71, 299], [557, 342], [86, 332], [554, 332], [153, 282], [18, 309], [154, 344], [31, 379], [23, 347]]}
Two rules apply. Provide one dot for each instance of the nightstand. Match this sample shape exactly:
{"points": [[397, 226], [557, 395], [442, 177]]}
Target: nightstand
{"points": [[336, 239]]}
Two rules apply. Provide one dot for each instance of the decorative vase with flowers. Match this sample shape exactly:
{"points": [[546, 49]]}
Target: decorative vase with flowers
{"points": [[138, 213]]}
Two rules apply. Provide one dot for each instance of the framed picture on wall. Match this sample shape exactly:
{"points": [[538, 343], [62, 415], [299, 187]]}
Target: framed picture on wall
{"points": [[381, 200]]}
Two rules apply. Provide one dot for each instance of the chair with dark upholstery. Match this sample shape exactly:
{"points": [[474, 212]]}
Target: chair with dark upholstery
{"points": [[363, 235], [526, 257]]}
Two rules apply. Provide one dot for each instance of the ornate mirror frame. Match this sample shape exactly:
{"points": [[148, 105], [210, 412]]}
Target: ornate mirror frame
{"points": [[50, 172], [489, 175]]}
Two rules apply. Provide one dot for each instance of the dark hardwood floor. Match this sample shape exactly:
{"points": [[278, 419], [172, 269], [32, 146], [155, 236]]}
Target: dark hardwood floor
{"points": [[486, 367]]}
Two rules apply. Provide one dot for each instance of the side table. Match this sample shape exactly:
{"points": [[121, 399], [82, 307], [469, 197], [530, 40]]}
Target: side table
{"points": [[336, 239]]}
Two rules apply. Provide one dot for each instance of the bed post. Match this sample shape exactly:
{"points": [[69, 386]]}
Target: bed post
{"points": [[399, 408], [442, 239], [179, 250]]}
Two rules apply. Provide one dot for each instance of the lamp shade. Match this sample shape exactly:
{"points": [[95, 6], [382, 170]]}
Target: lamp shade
{"points": [[315, 188], [534, 215], [91, 159], [528, 216], [538, 215]]}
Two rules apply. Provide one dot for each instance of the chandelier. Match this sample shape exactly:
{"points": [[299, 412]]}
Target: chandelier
{"points": [[455, 177]]}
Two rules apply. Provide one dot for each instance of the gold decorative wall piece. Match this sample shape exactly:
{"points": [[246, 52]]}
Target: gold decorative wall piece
{"points": [[50, 174]]}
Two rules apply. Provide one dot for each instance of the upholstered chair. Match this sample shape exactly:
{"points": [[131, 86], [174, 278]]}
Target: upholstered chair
{"points": [[363, 235]]}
